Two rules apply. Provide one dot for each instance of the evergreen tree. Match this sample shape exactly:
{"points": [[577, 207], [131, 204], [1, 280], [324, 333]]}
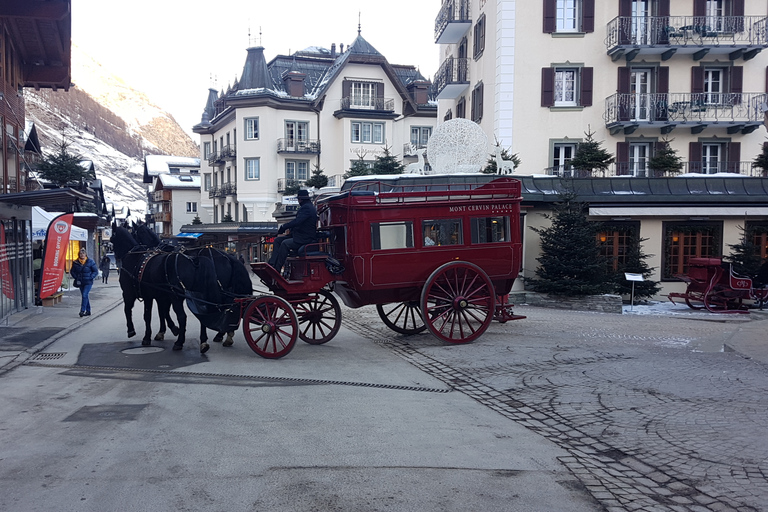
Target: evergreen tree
{"points": [[292, 188], [635, 264], [491, 167], [318, 179], [761, 160], [745, 255], [197, 220], [227, 218], [590, 157], [570, 261], [387, 164], [63, 168], [359, 168], [665, 161]]}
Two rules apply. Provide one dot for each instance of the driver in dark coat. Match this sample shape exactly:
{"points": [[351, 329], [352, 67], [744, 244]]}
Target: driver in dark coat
{"points": [[303, 231]]}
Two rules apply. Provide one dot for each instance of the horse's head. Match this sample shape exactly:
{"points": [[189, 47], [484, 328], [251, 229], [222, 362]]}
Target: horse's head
{"points": [[146, 236], [122, 242]]}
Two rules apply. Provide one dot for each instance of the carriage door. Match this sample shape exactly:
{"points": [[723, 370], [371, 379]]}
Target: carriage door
{"points": [[641, 10], [639, 90], [638, 158]]}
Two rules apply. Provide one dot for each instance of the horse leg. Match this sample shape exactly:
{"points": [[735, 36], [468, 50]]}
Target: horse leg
{"points": [[203, 339], [230, 339], [219, 336], [161, 333], [181, 316], [164, 312], [147, 341], [128, 310]]}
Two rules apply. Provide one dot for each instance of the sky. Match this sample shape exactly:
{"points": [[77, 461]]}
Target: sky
{"points": [[174, 50]]}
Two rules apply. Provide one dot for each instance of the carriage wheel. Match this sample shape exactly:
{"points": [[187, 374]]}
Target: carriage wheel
{"points": [[402, 317], [319, 318], [695, 297], [270, 326], [457, 302]]}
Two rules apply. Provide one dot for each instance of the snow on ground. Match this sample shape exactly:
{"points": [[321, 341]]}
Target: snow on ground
{"points": [[667, 308]]}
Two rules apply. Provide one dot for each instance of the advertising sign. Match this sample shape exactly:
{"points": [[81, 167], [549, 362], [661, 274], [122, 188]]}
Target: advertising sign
{"points": [[55, 254]]}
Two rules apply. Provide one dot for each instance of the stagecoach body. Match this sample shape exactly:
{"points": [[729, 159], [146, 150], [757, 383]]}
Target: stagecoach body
{"points": [[431, 252]]}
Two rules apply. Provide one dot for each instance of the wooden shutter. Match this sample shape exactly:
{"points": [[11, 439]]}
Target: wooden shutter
{"points": [[737, 83], [662, 8], [622, 158], [738, 8], [547, 87], [734, 157], [623, 88], [699, 7], [662, 12], [662, 89], [694, 157], [346, 89], [585, 98], [588, 16], [625, 8], [697, 80], [379, 90], [550, 23]]}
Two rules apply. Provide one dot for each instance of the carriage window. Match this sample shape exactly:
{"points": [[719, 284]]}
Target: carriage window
{"points": [[490, 229], [391, 235], [442, 232]]}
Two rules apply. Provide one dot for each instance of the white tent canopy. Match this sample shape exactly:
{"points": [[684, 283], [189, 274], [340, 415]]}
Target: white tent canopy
{"points": [[41, 219]]}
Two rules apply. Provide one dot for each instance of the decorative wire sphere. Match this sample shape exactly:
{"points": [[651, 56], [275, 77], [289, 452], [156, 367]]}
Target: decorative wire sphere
{"points": [[457, 146]]}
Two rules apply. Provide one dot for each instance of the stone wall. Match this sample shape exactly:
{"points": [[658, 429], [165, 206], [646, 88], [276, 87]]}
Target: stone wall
{"points": [[601, 303]]}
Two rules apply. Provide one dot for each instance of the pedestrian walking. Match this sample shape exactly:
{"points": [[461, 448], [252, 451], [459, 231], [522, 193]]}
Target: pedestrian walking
{"points": [[84, 271], [104, 267]]}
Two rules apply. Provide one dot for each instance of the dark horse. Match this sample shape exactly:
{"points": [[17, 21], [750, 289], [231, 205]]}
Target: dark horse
{"points": [[165, 277], [233, 281]]}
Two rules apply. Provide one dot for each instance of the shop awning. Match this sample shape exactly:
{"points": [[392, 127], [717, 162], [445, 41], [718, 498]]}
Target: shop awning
{"points": [[41, 219]]}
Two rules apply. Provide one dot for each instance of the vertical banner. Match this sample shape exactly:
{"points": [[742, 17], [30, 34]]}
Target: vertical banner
{"points": [[6, 282], [55, 254]]}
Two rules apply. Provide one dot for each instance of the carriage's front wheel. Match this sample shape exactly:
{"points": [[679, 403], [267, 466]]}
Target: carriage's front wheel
{"points": [[270, 326], [402, 317], [458, 302], [319, 318]]}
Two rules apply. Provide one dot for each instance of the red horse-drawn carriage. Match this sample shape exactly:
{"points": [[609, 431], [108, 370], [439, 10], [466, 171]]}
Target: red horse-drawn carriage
{"points": [[713, 285], [431, 252]]}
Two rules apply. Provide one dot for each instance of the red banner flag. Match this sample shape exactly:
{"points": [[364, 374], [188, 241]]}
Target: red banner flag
{"points": [[55, 254], [6, 282]]}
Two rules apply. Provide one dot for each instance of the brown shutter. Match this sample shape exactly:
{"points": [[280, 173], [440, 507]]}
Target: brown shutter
{"points": [[625, 7], [379, 90], [482, 35], [482, 93], [550, 24], [734, 157], [547, 87], [738, 8], [346, 89], [624, 113], [662, 89], [697, 80], [699, 8], [662, 8], [588, 16], [737, 83], [622, 158], [694, 157], [585, 97]]}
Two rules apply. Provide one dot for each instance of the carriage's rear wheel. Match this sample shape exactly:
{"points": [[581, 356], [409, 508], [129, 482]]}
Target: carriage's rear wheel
{"points": [[402, 317], [270, 326], [319, 318], [457, 302]]}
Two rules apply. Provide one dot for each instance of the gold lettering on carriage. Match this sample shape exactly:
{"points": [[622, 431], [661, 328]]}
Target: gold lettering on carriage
{"points": [[492, 208]]}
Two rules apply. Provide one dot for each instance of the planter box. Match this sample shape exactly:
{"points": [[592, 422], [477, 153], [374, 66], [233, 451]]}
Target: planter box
{"points": [[601, 303]]}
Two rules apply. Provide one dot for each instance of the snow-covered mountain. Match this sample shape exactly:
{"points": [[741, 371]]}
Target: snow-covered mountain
{"points": [[105, 120]]}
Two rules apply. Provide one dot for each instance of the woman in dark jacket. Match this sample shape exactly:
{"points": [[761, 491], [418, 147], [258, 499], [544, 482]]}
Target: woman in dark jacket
{"points": [[104, 267], [84, 271]]}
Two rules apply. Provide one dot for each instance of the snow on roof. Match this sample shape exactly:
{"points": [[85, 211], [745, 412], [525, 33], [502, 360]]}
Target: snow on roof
{"points": [[159, 164], [179, 181]]}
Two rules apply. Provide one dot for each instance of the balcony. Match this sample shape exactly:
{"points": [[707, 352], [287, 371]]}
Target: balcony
{"points": [[228, 153], [161, 195], [284, 184], [226, 189], [737, 112], [215, 158], [452, 79], [452, 21], [306, 147], [735, 36], [162, 217], [640, 170], [368, 104]]}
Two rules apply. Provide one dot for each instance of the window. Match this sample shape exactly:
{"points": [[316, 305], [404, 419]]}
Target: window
{"points": [[363, 95], [758, 233], [296, 170], [615, 242], [442, 232], [569, 16], [391, 235], [477, 103], [206, 150], [367, 132], [716, 85], [206, 182], [566, 86], [713, 86], [461, 108], [420, 136], [191, 207], [251, 128], [562, 153], [487, 230], [639, 153], [711, 157], [685, 241], [252, 169], [296, 131], [479, 37]]}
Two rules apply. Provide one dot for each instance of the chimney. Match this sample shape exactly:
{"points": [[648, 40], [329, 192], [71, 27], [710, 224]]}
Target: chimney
{"points": [[341, 48], [333, 50], [419, 91]]}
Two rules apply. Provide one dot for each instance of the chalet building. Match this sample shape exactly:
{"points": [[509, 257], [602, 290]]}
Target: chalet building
{"points": [[35, 40], [536, 76], [317, 108], [173, 192]]}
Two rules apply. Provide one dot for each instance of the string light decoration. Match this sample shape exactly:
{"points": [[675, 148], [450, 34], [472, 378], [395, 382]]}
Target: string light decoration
{"points": [[457, 146]]}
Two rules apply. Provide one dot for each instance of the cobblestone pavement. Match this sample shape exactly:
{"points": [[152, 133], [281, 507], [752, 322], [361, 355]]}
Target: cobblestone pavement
{"points": [[653, 415]]}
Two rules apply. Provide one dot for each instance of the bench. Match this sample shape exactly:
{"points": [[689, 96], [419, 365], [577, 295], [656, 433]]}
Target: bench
{"points": [[53, 299]]}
